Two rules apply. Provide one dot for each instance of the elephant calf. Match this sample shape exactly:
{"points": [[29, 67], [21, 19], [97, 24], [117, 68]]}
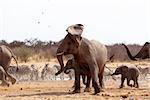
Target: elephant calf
{"points": [[3, 76], [129, 73], [71, 64]]}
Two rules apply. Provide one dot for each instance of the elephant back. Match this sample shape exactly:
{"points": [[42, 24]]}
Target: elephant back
{"points": [[100, 51], [5, 51]]}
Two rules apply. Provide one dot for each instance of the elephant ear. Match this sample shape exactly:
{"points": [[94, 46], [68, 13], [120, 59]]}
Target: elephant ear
{"points": [[125, 68]]}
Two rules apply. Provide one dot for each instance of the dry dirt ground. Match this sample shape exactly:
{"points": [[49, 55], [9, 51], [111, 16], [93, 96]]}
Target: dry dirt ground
{"points": [[59, 90]]}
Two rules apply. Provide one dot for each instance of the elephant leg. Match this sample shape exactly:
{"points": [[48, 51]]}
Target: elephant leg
{"points": [[128, 82], [101, 82], [122, 82], [13, 80], [83, 79], [4, 82], [77, 81], [94, 73], [136, 82], [88, 89]]}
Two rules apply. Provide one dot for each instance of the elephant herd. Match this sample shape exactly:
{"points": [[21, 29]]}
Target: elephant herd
{"points": [[89, 61], [90, 58]]}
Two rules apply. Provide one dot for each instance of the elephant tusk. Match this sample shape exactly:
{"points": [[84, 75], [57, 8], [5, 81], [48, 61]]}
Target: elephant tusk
{"points": [[61, 53]]}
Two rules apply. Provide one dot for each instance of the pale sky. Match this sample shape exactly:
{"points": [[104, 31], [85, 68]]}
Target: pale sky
{"points": [[108, 21]]}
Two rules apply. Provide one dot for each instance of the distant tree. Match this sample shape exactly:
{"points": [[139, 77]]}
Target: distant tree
{"points": [[16, 44], [3, 42]]}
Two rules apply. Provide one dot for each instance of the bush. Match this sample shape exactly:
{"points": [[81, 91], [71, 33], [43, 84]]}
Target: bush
{"points": [[23, 53]]}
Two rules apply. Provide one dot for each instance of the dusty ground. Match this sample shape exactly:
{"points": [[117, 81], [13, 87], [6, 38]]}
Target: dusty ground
{"points": [[59, 90]]}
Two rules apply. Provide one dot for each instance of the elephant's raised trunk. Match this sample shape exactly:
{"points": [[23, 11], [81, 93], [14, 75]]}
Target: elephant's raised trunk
{"points": [[128, 52], [112, 74], [60, 60]]}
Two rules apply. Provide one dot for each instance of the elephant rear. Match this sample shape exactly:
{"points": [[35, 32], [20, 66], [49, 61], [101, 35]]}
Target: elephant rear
{"points": [[134, 71]]}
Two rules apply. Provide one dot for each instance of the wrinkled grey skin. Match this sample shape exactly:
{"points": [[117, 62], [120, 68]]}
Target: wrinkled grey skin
{"points": [[3, 77], [5, 59], [129, 73], [86, 53]]}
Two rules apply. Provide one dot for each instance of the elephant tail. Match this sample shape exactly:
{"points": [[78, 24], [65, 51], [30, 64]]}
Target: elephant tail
{"points": [[14, 57], [111, 58], [129, 53], [111, 73]]}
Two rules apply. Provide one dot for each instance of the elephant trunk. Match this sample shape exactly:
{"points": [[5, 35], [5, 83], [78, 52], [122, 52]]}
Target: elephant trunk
{"points": [[112, 74], [66, 71], [60, 60], [128, 52]]}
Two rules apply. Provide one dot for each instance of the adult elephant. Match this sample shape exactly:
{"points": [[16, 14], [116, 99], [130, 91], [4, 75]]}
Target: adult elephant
{"points": [[87, 53], [144, 53], [5, 59]]}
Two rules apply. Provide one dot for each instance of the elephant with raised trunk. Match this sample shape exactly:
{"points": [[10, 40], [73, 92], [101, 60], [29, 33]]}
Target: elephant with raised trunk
{"points": [[5, 59], [144, 53], [86, 53]]}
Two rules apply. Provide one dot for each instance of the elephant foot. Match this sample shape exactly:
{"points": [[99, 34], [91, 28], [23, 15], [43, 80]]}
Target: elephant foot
{"points": [[5, 84], [102, 87], [13, 81], [97, 90], [121, 86], [102, 90], [75, 91], [136, 86], [130, 85], [87, 89]]}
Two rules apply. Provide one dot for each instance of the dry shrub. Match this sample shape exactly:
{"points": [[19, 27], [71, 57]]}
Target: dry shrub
{"points": [[23, 53], [47, 54]]}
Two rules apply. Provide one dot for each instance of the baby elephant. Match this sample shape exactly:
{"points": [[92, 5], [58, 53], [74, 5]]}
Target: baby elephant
{"points": [[129, 73], [84, 72]]}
